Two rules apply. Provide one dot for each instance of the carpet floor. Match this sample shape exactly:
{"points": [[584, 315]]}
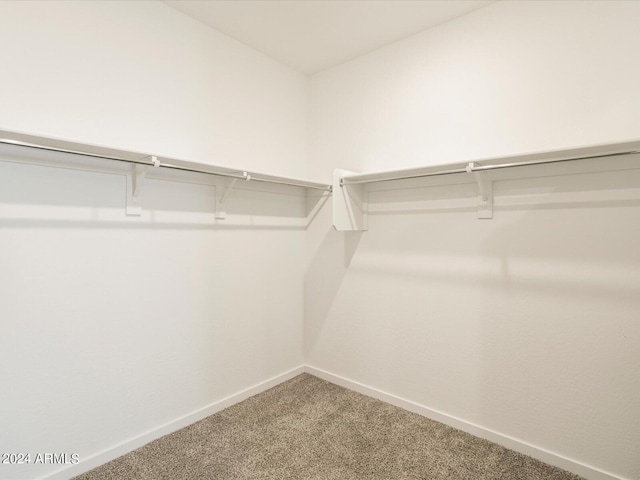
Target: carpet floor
{"points": [[309, 429]]}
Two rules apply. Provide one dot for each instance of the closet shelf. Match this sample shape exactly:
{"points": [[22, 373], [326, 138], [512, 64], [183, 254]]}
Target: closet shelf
{"points": [[350, 189], [140, 159], [541, 158]]}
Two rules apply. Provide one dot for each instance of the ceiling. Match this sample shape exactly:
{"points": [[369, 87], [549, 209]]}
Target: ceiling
{"points": [[310, 36]]}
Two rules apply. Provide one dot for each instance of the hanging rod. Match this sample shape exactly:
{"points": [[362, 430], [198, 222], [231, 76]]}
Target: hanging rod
{"points": [[473, 167], [129, 157]]}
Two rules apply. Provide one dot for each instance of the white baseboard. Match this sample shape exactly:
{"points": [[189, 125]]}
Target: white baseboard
{"points": [[574, 466], [127, 446]]}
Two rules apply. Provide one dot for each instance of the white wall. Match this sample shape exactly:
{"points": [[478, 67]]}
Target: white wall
{"points": [[113, 326], [526, 324], [512, 77], [147, 78]]}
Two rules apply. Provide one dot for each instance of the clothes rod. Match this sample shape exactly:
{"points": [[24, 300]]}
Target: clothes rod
{"points": [[473, 167], [243, 175]]}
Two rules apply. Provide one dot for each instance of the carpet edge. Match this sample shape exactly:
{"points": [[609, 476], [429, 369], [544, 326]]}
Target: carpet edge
{"points": [[574, 466]]}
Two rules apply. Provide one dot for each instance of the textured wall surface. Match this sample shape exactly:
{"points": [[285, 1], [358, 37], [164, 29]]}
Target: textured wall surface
{"points": [[526, 324], [113, 326]]}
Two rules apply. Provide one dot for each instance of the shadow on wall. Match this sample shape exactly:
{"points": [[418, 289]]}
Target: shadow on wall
{"points": [[413, 235], [526, 323], [325, 273], [558, 340]]}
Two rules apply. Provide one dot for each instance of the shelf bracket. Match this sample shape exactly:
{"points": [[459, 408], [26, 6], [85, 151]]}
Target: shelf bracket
{"points": [[135, 183], [485, 191], [222, 193]]}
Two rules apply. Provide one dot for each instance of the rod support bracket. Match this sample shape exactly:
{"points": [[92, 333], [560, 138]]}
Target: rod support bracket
{"points": [[222, 193], [135, 184], [485, 191]]}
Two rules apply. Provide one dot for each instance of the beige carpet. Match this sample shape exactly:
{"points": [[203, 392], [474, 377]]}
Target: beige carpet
{"points": [[307, 428]]}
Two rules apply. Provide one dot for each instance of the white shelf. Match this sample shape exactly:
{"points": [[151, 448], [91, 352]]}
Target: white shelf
{"points": [[537, 158], [144, 159], [350, 189]]}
